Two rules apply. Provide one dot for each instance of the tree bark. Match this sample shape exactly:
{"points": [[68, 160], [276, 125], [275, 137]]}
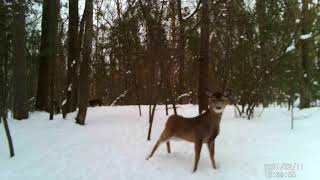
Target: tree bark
{"points": [[181, 49], [305, 92], [55, 5], [152, 109], [84, 68], [4, 90], [204, 57], [8, 134], [20, 109], [47, 53], [73, 58], [43, 80]]}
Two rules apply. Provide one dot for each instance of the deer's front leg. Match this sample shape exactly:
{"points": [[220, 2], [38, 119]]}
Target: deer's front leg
{"points": [[198, 146], [211, 152]]}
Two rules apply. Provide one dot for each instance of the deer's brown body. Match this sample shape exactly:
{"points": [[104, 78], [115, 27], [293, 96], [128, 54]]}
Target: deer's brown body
{"points": [[203, 128]]}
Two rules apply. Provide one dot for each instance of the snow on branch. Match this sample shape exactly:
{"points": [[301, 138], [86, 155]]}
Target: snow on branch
{"points": [[194, 12], [291, 48], [119, 97], [70, 87], [184, 95], [64, 102], [306, 36]]}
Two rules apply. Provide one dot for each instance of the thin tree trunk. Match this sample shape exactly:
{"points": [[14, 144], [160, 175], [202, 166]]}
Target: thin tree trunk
{"points": [[181, 49], [8, 134], [86, 58], [152, 109], [60, 73], [167, 112], [54, 16], [137, 89], [292, 118], [4, 94]]}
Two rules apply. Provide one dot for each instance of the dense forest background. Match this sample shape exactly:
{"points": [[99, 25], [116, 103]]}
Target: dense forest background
{"points": [[60, 55]]}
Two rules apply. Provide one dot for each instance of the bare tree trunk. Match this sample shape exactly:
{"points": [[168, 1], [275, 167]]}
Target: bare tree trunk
{"points": [[43, 80], [4, 92], [292, 118], [305, 91], [20, 109], [167, 112], [204, 57], [47, 54], [86, 58], [73, 58], [181, 49], [6, 127], [54, 14], [61, 68], [138, 98], [152, 109]]}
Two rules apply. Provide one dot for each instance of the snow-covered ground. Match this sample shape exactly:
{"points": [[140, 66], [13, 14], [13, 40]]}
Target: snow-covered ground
{"points": [[113, 146]]}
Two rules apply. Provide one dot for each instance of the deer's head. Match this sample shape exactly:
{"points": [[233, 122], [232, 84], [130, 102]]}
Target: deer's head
{"points": [[218, 100]]}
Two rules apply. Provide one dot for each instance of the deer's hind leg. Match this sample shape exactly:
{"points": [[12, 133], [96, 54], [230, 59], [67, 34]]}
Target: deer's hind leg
{"points": [[165, 136]]}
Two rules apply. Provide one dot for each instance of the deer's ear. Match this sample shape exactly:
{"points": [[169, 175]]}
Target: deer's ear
{"points": [[209, 93], [227, 93]]}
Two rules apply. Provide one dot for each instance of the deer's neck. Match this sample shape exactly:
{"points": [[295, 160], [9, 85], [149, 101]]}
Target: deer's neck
{"points": [[214, 118], [214, 114]]}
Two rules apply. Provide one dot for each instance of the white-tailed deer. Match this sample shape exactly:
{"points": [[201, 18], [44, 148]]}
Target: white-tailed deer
{"points": [[203, 128]]}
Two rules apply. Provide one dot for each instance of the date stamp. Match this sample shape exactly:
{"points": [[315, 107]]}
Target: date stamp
{"points": [[282, 169]]}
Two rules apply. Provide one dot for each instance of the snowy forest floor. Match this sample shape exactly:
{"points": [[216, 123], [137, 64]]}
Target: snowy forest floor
{"points": [[113, 146]]}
